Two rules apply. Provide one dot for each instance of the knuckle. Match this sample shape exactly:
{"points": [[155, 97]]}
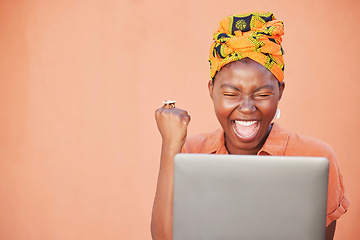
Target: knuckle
{"points": [[185, 117], [159, 113], [180, 118]]}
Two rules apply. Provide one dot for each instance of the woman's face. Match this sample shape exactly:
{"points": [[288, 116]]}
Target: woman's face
{"points": [[246, 97]]}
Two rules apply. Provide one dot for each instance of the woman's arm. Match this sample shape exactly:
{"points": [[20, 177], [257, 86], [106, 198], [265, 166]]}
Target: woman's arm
{"points": [[330, 230], [172, 124]]}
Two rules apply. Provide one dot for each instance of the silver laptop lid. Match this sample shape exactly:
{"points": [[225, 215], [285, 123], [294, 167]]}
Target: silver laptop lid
{"points": [[231, 197]]}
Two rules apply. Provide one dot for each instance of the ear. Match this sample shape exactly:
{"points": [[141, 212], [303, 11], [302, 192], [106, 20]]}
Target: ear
{"points": [[281, 89], [211, 88]]}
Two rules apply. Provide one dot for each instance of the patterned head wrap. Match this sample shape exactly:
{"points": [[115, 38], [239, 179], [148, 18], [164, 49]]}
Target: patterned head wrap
{"points": [[253, 35]]}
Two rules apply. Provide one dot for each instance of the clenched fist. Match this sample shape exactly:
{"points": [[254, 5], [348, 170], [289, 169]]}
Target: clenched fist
{"points": [[172, 124]]}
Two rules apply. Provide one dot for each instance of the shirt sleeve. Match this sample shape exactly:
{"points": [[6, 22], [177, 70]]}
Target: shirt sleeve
{"points": [[337, 203]]}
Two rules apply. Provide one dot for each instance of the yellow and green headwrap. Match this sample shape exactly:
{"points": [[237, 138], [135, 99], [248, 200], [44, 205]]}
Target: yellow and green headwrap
{"points": [[253, 35]]}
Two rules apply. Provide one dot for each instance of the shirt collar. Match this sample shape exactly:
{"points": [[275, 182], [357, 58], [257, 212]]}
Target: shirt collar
{"points": [[276, 142], [216, 144]]}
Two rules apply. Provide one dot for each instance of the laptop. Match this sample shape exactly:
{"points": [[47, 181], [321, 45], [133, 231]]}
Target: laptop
{"points": [[233, 197]]}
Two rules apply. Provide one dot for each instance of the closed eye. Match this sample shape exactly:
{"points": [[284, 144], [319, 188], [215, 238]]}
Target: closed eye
{"points": [[228, 94], [263, 95]]}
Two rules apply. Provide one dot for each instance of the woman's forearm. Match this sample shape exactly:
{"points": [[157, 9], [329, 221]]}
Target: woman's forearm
{"points": [[162, 216]]}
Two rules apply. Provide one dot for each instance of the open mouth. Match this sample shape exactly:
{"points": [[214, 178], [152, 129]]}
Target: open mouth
{"points": [[246, 130]]}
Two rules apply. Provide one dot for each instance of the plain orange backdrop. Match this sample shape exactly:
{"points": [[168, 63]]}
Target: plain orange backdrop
{"points": [[81, 79]]}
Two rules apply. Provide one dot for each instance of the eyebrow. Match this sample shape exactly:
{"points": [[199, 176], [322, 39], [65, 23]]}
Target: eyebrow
{"points": [[225, 85], [271, 87]]}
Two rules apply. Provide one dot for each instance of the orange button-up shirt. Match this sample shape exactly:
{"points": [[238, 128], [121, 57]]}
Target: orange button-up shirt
{"points": [[281, 142]]}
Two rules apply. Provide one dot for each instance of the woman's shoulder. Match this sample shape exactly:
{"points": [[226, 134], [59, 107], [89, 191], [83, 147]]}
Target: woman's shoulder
{"points": [[204, 142], [300, 144]]}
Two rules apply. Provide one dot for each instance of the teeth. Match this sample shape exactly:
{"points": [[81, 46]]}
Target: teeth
{"points": [[245, 123]]}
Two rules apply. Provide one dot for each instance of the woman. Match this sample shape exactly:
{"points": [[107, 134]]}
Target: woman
{"points": [[246, 61]]}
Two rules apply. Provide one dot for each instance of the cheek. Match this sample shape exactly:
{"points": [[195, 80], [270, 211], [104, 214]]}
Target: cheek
{"points": [[268, 109], [224, 108]]}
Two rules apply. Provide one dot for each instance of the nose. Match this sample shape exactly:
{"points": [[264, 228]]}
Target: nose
{"points": [[246, 105]]}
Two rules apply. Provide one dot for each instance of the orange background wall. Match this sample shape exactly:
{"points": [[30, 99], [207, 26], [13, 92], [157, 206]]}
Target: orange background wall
{"points": [[80, 80]]}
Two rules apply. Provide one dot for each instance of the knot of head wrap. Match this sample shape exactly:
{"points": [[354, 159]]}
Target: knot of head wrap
{"points": [[252, 35]]}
